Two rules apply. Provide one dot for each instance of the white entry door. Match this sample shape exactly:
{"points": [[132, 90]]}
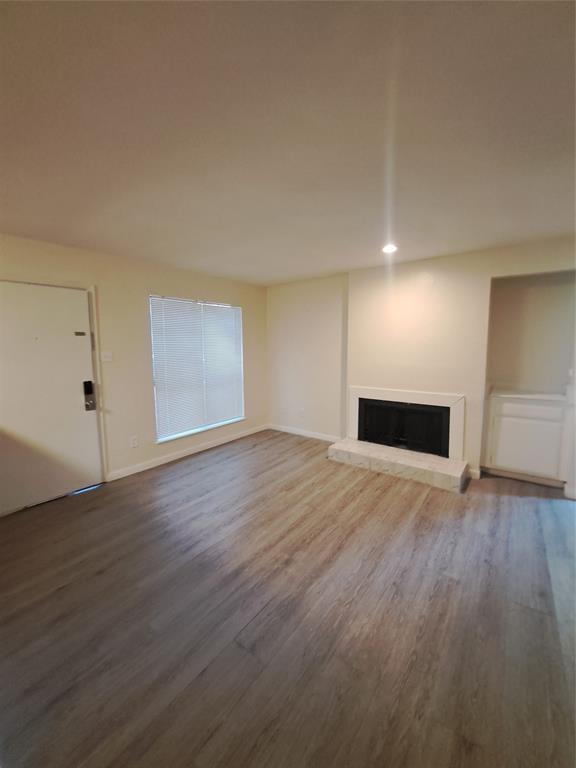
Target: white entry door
{"points": [[49, 441]]}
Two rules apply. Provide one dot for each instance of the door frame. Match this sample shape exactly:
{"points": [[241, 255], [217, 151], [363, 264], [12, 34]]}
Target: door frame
{"points": [[92, 296]]}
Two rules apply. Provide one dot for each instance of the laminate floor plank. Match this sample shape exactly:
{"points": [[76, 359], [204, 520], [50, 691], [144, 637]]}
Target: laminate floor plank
{"points": [[168, 611], [257, 606], [187, 534]]}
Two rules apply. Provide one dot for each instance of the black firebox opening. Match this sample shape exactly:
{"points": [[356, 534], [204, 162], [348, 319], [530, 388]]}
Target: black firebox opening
{"points": [[424, 428]]}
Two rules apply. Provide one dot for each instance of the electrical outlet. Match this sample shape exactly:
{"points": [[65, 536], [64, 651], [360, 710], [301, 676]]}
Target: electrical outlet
{"points": [[134, 441]]}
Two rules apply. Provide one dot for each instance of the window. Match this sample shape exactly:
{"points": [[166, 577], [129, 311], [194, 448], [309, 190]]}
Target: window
{"points": [[197, 363]]}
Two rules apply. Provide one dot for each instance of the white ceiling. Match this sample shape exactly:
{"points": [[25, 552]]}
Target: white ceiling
{"points": [[271, 141]]}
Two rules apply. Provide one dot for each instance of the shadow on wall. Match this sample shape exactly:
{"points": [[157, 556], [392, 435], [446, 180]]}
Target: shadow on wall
{"points": [[30, 475]]}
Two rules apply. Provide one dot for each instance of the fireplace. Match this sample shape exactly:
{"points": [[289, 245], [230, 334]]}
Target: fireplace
{"points": [[413, 426]]}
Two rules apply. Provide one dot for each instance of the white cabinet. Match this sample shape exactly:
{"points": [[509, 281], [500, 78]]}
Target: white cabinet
{"points": [[526, 434]]}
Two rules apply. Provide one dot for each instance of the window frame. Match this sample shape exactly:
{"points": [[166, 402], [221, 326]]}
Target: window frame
{"points": [[205, 427]]}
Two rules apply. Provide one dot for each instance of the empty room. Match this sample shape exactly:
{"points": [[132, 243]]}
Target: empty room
{"points": [[287, 384]]}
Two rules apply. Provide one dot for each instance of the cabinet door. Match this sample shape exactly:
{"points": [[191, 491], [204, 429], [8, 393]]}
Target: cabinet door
{"points": [[527, 438]]}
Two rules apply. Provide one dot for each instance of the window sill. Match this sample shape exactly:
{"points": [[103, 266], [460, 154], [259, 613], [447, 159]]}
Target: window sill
{"points": [[197, 431]]}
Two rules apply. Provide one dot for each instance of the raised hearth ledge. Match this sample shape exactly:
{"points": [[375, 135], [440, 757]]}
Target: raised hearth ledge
{"points": [[455, 402], [448, 474]]}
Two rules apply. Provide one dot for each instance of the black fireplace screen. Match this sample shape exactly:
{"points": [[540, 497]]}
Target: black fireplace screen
{"points": [[424, 428]]}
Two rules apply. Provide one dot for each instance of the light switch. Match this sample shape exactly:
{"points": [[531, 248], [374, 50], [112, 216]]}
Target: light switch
{"points": [[106, 357]]}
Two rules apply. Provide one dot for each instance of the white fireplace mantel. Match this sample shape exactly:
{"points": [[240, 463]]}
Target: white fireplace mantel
{"points": [[456, 404]]}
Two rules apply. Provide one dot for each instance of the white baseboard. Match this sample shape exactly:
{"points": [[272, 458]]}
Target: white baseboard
{"points": [[305, 433], [167, 458]]}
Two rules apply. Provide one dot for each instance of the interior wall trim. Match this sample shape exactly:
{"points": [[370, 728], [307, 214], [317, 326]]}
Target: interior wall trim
{"points": [[133, 469], [306, 433]]}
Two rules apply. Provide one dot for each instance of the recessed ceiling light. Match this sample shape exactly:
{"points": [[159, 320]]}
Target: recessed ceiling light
{"points": [[390, 248]]}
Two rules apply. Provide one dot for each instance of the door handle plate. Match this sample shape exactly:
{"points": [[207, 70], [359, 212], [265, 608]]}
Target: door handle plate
{"points": [[89, 396]]}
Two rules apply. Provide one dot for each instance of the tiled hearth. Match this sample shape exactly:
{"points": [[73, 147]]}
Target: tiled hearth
{"points": [[448, 474]]}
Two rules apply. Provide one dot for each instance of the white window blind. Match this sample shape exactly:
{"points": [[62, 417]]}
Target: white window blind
{"points": [[197, 363]]}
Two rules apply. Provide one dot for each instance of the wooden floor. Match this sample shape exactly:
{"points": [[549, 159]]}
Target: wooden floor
{"points": [[260, 606]]}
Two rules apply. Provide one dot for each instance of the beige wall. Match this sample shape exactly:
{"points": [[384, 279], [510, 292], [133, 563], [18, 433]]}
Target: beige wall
{"points": [[531, 339], [306, 339], [122, 290], [424, 325], [419, 325]]}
